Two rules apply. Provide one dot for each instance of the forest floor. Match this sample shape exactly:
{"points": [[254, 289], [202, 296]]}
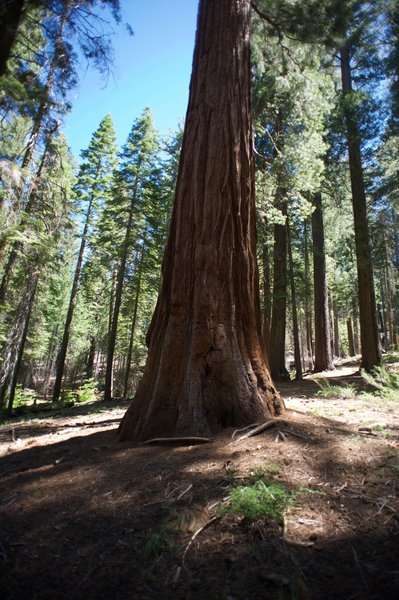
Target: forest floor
{"points": [[83, 516]]}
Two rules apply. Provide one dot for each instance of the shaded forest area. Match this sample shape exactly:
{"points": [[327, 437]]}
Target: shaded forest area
{"points": [[253, 257]]}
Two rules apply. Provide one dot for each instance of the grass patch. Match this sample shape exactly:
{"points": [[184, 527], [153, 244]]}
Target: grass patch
{"points": [[262, 496], [161, 544], [328, 390], [258, 500], [385, 382]]}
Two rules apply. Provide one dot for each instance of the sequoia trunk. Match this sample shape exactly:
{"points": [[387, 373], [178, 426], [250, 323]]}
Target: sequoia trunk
{"points": [[206, 366]]}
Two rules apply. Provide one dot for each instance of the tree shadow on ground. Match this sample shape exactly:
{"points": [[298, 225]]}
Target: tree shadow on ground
{"points": [[88, 517]]}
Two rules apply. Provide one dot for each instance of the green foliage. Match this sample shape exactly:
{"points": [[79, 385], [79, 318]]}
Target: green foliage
{"points": [[85, 393], [259, 500], [329, 390], [24, 397], [385, 381], [160, 544], [262, 497]]}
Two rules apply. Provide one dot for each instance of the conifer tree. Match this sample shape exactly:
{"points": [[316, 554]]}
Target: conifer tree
{"points": [[133, 187], [92, 189]]}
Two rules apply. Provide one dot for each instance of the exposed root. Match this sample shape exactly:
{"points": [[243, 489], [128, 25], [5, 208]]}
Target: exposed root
{"points": [[183, 441]]}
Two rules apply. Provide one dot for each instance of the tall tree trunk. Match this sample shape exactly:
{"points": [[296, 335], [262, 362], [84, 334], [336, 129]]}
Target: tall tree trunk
{"points": [[279, 308], [308, 311], [371, 355], [21, 344], [295, 328], [71, 307], [323, 358], [18, 246], [351, 343], [266, 316], [91, 357], [10, 18], [133, 326], [355, 313], [337, 351], [120, 275], [206, 366]]}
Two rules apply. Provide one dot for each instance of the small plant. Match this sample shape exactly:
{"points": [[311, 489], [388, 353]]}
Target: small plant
{"points": [[262, 472], [384, 381], [161, 543], [327, 390], [87, 392], [23, 396], [259, 500]]}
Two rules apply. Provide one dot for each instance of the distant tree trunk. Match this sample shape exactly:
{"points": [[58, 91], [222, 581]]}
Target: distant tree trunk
{"points": [[295, 328], [91, 357], [206, 365], [355, 326], [337, 351], [18, 246], [308, 312], [351, 344], [323, 358], [279, 308], [10, 17], [22, 341], [266, 316], [71, 307], [371, 355], [133, 326], [120, 275]]}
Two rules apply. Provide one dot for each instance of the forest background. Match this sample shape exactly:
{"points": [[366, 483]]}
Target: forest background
{"points": [[82, 244]]}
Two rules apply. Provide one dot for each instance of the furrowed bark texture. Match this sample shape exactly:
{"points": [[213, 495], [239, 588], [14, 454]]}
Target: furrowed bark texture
{"points": [[206, 366]]}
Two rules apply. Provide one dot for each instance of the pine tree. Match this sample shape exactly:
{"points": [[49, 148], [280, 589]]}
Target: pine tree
{"points": [[93, 189], [133, 188]]}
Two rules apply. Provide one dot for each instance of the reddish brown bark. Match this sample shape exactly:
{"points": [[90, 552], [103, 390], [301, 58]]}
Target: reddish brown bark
{"points": [[371, 355], [323, 358], [206, 367]]}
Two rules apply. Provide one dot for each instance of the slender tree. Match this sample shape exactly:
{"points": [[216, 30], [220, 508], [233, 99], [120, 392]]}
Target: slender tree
{"points": [[93, 186], [323, 357], [371, 355], [131, 190], [206, 366]]}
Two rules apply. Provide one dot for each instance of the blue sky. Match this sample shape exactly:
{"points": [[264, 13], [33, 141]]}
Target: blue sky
{"points": [[152, 68]]}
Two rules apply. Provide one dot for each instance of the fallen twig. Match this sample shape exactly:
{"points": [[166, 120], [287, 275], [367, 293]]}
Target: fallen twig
{"points": [[293, 433], [195, 535], [258, 430], [184, 441]]}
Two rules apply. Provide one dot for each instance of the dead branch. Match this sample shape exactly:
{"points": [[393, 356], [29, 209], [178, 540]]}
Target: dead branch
{"points": [[195, 535], [258, 430]]}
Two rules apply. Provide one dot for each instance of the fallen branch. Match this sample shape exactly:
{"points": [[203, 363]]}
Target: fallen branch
{"points": [[258, 430], [195, 535], [293, 433], [184, 441]]}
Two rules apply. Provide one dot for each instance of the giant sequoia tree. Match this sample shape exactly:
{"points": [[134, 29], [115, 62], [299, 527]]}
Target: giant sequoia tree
{"points": [[206, 366]]}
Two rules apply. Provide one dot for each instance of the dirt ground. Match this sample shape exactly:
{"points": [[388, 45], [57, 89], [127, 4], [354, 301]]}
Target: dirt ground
{"points": [[82, 516]]}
